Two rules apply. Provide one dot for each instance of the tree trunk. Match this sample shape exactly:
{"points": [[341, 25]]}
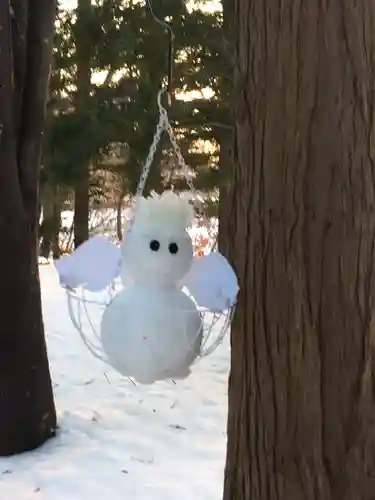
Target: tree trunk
{"points": [[301, 422], [45, 238], [119, 208], [55, 241], [49, 230], [226, 138], [27, 412], [82, 185], [81, 207], [226, 190], [51, 219]]}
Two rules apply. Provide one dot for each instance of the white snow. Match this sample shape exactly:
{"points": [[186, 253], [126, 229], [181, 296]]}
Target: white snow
{"points": [[117, 440]]}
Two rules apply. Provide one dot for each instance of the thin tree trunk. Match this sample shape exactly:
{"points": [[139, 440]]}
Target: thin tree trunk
{"points": [[226, 139], [226, 189], [50, 228], [301, 422], [82, 185], [47, 196], [119, 224], [55, 241], [81, 207], [27, 412], [45, 238]]}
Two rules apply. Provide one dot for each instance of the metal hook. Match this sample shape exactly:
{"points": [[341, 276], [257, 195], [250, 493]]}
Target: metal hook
{"points": [[170, 48]]}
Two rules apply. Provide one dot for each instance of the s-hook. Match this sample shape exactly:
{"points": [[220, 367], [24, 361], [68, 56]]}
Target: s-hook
{"points": [[170, 49]]}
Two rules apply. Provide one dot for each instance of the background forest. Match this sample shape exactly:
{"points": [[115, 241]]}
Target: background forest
{"points": [[109, 61]]}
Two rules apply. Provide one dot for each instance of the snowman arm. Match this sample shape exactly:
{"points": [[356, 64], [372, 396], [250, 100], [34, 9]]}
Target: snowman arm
{"points": [[212, 282], [94, 265]]}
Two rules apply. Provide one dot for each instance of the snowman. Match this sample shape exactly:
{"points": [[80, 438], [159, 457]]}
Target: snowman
{"points": [[152, 329], [162, 320]]}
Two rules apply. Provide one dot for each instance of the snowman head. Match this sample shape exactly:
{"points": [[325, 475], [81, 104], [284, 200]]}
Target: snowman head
{"points": [[158, 249]]}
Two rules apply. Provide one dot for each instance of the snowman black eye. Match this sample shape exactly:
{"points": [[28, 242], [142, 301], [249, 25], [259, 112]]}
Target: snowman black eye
{"points": [[173, 248], [154, 245]]}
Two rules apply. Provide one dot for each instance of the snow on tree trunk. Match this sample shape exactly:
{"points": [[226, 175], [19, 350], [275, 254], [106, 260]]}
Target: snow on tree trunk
{"points": [[301, 391], [27, 412]]}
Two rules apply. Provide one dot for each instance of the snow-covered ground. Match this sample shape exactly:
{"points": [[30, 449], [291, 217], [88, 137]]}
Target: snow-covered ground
{"points": [[119, 441]]}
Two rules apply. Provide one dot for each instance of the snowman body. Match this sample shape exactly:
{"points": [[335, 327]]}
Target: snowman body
{"points": [[152, 330], [160, 326]]}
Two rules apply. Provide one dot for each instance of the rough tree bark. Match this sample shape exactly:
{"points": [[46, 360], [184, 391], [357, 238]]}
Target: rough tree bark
{"points": [[301, 391], [27, 412]]}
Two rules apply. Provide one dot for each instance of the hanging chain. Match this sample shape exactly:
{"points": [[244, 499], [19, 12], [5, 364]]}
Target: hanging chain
{"points": [[164, 125], [160, 127]]}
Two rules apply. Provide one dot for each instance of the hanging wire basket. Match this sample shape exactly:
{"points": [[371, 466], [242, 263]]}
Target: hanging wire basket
{"points": [[86, 310]]}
